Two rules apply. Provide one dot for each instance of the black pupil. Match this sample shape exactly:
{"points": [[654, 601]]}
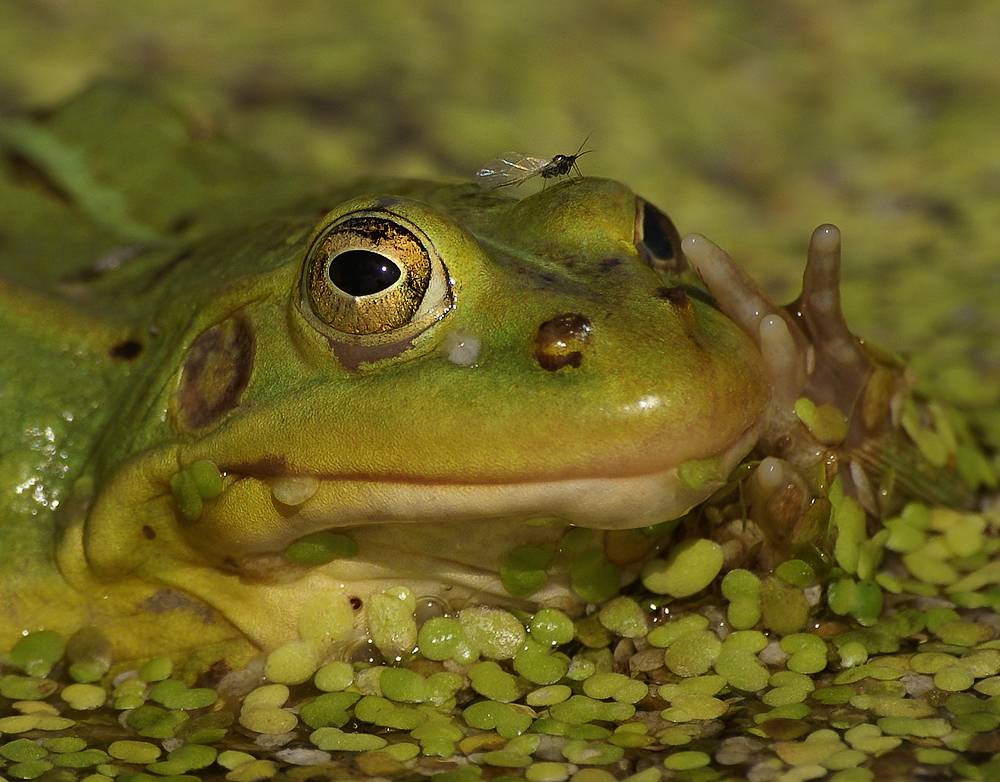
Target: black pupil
{"points": [[362, 273]]}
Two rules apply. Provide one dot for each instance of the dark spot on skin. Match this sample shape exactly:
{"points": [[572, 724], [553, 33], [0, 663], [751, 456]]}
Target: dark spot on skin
{"points": [[216, 371], [678, 299], [356, 602], [126, 349], [353, 356], [560, 341], [230, 564], [610, 263], [148, 532], [182, 223], [168, 600], [676, 295]]}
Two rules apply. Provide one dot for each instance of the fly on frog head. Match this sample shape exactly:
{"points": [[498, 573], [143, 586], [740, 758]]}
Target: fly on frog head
{"points": [[515, 168]]}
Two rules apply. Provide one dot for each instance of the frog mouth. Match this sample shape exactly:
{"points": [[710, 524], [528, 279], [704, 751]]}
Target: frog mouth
{"points": [[262, 511], [137, 524], [231, 555]]}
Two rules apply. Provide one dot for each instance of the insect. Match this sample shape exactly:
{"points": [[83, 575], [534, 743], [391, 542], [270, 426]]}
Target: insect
{"points": [[513, 168]]}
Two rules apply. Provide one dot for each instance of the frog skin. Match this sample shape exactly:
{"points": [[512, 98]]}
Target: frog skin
{"points": [[168, 301]]}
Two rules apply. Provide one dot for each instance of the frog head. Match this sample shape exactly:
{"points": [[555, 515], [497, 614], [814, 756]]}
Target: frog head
{"points": [[430, 371]]}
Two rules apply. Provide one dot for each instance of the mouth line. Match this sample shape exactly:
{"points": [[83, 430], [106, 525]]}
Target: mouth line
{"points": [[277, 469], [263, 511]]}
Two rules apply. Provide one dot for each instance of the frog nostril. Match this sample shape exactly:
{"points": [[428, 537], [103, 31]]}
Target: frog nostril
{"points": [[560, 341]]}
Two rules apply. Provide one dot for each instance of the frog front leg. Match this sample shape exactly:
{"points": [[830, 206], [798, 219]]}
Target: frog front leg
{"points": [[836, 399]]}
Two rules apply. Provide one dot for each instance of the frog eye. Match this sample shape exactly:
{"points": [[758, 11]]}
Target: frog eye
{"points": [[370, 274], [657, 239]]}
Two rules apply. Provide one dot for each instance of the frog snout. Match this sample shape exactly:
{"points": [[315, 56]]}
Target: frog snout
{"points": [[561, 341]]}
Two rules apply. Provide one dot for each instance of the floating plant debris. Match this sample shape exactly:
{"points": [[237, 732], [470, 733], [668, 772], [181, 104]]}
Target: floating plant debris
{"points": [[881, 662]]}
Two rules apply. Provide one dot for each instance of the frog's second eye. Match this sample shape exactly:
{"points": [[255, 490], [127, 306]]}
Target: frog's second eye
{"points": [[657, 239], [371, 274]]}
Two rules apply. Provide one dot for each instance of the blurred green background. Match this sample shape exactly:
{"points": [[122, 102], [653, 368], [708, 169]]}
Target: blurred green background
{"points": [[749, 122]]}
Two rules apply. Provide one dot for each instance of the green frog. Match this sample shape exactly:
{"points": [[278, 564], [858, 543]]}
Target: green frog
{"points": [[227, 390]]}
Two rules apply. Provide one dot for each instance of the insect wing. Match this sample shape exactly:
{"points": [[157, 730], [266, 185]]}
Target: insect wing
{"points": [[509, 168]]}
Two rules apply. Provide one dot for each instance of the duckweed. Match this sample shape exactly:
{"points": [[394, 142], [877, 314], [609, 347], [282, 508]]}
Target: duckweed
{"points": [[84, 697], [524, 570], [491, 681], [589, 753], [37, 653], [547, 771], [268, 719], [687, 706], [689, 568], [686, 760], [140, 752], [293, 663], [623, 616], [498, 634], [329, 709], [807, 652], [326, 617], [616, 686], [836, 684], [157, 669], [391, 621], [593, 577], [742, 589], [26, 687], [552, 627], [334, 739], [443, 638], [692, 654], [22, 750], [784, 608], [318, 548], [536, 664], [334, 676], [384, 713]]}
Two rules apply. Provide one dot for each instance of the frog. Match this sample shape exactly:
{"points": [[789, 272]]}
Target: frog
{"points": [[209, 363]]}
